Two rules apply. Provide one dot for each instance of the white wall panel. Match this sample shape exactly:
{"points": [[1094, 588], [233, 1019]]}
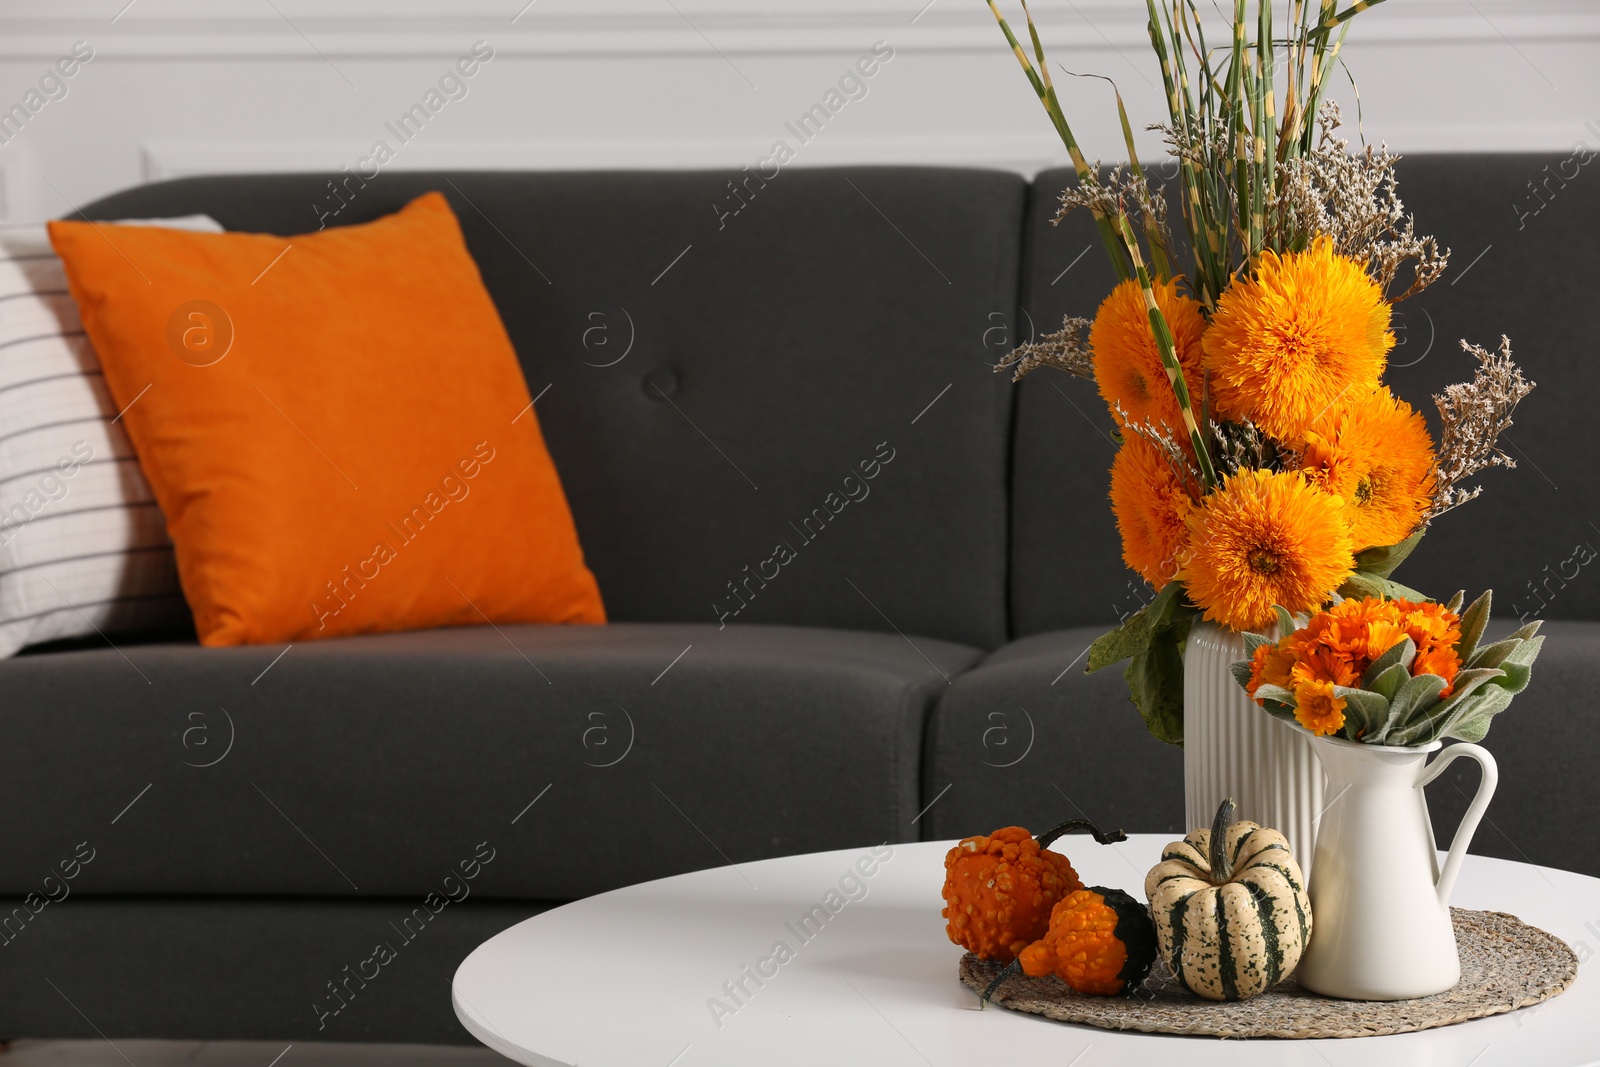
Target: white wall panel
{"points": [[194, 86]]}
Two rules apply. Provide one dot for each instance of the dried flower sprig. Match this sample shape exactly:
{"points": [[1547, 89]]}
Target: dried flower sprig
{"points": [[1474, 415], [1178, 457], [1241, 446], [1065, 349], [1123, 191], [1352, 198]]}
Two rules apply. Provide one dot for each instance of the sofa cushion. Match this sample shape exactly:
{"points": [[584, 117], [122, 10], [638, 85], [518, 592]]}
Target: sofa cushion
{"points": [[242, 969], [1026, 738], [589, 757], [711, 384], [273, 418], [1509, 221]]}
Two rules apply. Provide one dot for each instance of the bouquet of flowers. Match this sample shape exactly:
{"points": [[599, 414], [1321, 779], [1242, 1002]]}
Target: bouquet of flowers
{"points": [[1263, 464], [1390, 672]]}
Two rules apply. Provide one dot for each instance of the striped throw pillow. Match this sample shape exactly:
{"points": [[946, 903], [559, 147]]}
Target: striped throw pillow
{"points": [[83, 544]]}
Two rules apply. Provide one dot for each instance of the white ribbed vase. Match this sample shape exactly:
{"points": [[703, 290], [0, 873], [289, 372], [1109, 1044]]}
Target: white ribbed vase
{"points": [[1233, 748]]}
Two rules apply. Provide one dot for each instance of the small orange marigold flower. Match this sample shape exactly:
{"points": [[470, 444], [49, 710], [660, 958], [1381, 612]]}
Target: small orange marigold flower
{"points": [[1271, 665], [1318, 709]]}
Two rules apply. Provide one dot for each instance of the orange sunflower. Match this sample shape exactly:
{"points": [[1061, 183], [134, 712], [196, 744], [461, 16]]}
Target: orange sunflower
{"points": [[1152, 509], [1265, 538], [1375, 452], [1127, 363], [1285, 345]]}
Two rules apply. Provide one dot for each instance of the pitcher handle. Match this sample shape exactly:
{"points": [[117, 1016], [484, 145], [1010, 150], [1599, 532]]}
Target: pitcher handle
{"points": [[1475, 810]]}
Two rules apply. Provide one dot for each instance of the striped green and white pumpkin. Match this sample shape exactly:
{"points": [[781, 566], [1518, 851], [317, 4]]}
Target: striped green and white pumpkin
{"points": [[1230, 908]]}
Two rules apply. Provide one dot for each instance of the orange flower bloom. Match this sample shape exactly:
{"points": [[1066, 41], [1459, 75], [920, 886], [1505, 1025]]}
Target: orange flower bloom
{"points": [[1373, 451], [1127, 363], [1265, 539], [1287, 344], [1318, 709], [1271, 665], [1152, 509], [1322, 665], [1436, 632], [1429, 625], [1337, 647], [1441, 661]]}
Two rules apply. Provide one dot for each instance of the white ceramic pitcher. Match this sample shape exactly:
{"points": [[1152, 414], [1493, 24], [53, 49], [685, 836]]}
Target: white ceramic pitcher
{"points": [[1379, 900]]}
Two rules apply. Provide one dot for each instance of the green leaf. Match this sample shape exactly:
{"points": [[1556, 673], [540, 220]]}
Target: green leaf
{"points": [[1381, 736], [1473, 724], [1492, 655], [1117, 645], [1381, 562], [1286, 624], [1279, 710], [1155, 685], [1365, 712], [1360, 584], [1476, 696], [1277, 693], [1133, 635], [1152, 641], [1516, 677], [1468, 682], [1253, 641], [1473, 729], [1399, 655], [1527, 632], [1388, 683], [1525, 655], [1473, 620], [1241, 673], [1411, 703], [1518, 666], [1454, 606]]}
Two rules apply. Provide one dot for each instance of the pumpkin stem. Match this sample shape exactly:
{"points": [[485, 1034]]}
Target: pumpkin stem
{"points": [[1078, 826], [1221, 862], [1011, 970]]}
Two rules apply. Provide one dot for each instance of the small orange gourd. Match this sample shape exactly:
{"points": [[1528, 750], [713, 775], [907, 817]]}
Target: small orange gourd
{"points": [[999, 888], [1100, 941]]}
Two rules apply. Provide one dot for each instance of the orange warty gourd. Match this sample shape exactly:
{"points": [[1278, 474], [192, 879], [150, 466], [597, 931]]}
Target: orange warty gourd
{"points": [[1100, 941], [999, 888]]}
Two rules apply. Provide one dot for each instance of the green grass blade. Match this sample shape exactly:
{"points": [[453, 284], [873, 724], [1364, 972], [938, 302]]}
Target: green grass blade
{"points": [[1328, 24], [1167, 346], [1052, 106]]}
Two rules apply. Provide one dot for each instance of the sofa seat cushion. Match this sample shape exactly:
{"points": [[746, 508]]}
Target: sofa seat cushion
{"points": [[585, 758], [1027, 738]]}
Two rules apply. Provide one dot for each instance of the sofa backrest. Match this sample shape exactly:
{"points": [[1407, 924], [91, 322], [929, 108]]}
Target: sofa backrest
{"points": [[769, 401], [1522, 233]]}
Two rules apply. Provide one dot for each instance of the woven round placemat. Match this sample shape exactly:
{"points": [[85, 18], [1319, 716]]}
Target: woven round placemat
{"points": [[1505, 964]]}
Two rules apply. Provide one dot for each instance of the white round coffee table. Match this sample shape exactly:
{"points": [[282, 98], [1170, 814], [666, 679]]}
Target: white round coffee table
{"points": [[687, 971]]}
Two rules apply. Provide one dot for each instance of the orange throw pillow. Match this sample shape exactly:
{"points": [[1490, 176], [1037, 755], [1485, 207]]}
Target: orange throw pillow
{"points": [[335, 425]]}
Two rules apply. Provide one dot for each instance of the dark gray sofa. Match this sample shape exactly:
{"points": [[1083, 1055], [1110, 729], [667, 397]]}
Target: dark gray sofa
{"points": [[712, 386]]}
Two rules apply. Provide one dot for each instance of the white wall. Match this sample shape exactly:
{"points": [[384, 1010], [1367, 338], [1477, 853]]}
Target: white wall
{"points": [[189, 86]]}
